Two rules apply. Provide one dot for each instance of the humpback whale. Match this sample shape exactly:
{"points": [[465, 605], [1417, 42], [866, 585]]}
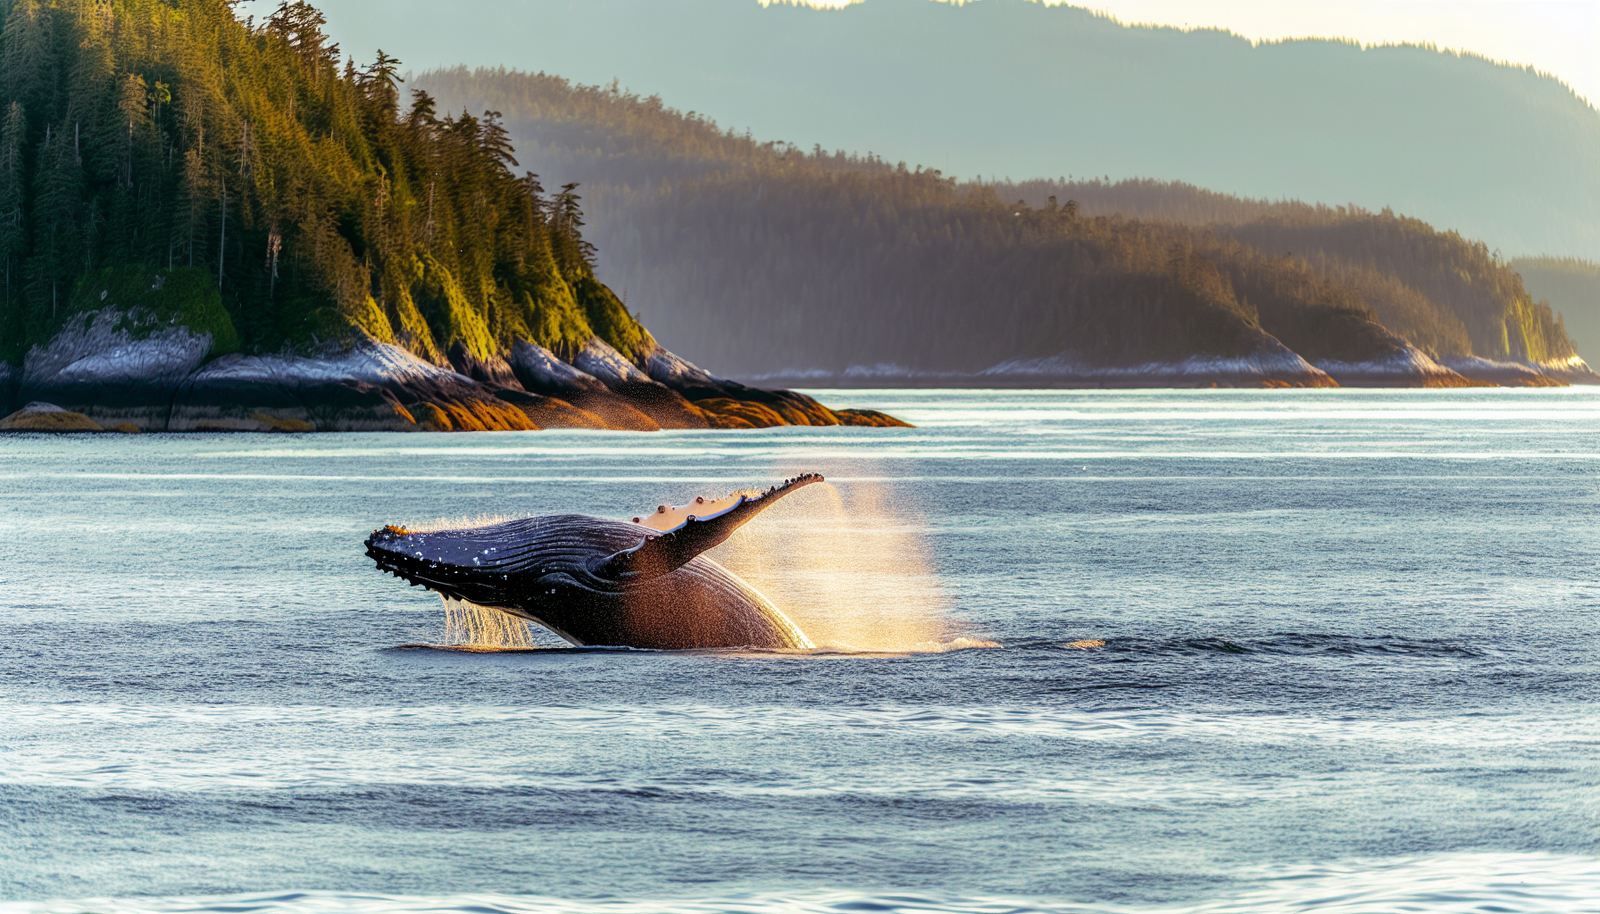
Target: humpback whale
{"points": [[594, 581]]}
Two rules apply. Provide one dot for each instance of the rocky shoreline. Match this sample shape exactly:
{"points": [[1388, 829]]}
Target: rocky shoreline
{"points": [[125, 371], [1404, 368], [116, 372]]}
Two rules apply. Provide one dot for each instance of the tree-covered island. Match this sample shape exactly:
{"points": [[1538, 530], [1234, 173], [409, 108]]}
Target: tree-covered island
{"points": [[209, 223]]}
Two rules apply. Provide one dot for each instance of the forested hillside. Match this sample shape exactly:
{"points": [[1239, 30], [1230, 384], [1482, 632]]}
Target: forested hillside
{"points": [[765, 258], [248, 182], [1391, 259], [1573, 288]]}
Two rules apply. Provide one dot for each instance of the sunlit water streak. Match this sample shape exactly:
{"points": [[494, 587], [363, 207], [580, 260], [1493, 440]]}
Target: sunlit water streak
{"points": [[1259, 651]]}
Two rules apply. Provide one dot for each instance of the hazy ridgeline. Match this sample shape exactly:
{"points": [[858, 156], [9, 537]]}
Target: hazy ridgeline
{"points": [[1015, 89], [760, 257], [252, 184]]}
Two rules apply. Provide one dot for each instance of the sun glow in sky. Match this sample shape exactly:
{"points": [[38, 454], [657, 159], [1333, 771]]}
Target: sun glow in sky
{"points": [[1560, 37]]}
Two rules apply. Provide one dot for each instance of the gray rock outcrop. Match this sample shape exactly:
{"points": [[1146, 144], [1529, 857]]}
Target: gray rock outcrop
{"points": [[1406, 366], [114, 366]]}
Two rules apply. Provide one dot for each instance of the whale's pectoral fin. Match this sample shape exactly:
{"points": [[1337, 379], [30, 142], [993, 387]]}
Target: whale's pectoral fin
{"points": [[675, 547]]}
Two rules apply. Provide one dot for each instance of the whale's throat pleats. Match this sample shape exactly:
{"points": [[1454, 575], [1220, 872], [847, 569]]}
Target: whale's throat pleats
{"points": [[702, 604]]}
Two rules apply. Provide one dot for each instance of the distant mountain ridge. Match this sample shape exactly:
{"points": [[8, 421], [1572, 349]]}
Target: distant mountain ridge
{"points": [[1013, 89], [772, 261]]}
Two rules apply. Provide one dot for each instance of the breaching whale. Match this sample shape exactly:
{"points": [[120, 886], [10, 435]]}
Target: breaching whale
{"points": [[603, 582]]}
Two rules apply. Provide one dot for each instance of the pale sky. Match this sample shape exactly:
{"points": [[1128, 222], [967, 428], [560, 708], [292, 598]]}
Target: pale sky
{"points": [[1560, 37]]}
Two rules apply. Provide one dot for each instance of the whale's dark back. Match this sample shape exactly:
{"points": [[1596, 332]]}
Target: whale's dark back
{"points": [[541, 568]]}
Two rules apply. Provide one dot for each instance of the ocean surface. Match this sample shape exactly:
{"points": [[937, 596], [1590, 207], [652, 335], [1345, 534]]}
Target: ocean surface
{"points": [[1126, 651]]}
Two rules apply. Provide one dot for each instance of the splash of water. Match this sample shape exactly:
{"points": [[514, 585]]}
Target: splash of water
{"points": [[850, 567], [468, 625]]}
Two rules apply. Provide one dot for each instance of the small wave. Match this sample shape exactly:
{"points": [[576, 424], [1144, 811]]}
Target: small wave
{"points": [[544, 649], [1509, 883], [132, 722], [1294, 643], [1289, 644], [197, 747]]}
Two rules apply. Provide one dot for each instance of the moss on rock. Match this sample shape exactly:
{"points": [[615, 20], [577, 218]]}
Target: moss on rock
{"points": [[47, 417], [184, 296]]}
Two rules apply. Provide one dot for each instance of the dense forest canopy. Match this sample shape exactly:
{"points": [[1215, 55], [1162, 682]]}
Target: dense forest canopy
{"points": [[245, 179], [761, 256]]}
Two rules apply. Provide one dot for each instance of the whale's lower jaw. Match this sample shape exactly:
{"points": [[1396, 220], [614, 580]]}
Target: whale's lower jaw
{"points": [[445, 580], [486, 595]]}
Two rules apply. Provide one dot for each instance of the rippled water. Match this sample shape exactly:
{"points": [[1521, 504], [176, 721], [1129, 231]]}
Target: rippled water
{"points": [[1350, 664]]}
